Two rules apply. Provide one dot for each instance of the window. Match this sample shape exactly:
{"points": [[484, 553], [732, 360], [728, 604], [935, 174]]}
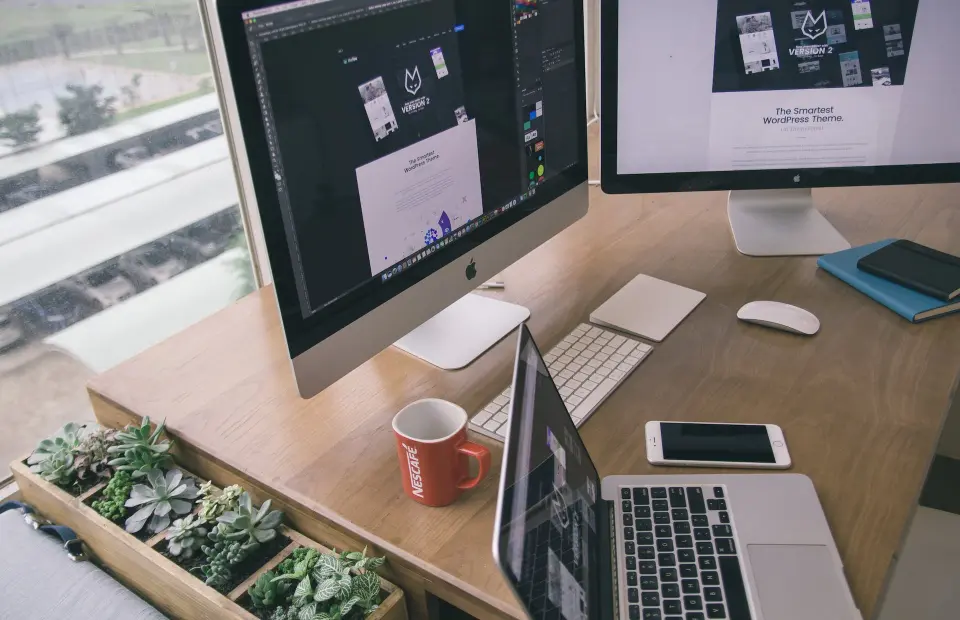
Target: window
{"points": [[119, 218]]}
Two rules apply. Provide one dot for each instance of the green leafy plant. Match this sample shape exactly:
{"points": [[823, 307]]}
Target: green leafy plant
{"points": [[213, 505], [298, 565], [267, 594], [53, 458], [222, 556], [115, 494], [185, 536], [139, 450], [21, 127], [85, 108], [161, 496], [249, 526], [336, 587], [91, 457]]}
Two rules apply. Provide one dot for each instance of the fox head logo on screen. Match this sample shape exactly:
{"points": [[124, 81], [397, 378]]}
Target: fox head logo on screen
{"points": [[412, 81], [814, 27]]}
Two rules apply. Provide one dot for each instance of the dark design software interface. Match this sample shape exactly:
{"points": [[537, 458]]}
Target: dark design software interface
{"points": [[793, 45], [397, 127]]}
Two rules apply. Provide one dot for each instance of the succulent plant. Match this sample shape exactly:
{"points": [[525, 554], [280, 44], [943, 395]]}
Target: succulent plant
{"points": [[247, 525], [215, 504], [115, 494], [185, 536], [138, 450], [53, 458], [298, 565], [164, 494], [91, 458], [222, 556], [266, 593]]}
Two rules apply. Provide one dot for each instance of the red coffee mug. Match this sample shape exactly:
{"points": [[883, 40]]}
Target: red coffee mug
{"points": [[433, 450]]}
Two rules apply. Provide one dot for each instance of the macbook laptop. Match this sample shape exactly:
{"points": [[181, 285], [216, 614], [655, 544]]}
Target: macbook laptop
{"points": [[672, 547]]}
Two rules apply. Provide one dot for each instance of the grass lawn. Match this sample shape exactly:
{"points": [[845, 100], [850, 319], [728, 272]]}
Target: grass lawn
{"points": [[185, 63], [157, 105]]}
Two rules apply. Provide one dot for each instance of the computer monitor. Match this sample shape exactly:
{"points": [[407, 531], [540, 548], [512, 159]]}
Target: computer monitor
{"points": [[782, 95], [399, 153]]}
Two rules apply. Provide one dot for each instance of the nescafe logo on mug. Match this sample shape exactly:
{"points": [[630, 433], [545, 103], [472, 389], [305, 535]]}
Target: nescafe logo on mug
{"points": [[413, 463]]}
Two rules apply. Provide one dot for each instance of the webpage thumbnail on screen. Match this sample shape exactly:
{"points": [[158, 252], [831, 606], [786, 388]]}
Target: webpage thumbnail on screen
{"points": [[787, 84]]}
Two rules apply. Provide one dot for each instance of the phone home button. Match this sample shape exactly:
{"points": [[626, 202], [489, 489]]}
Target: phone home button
{"points": [[778, 444]]}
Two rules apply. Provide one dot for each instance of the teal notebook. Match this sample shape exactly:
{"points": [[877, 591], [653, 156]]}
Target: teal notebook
{"points": [[908, 303]]}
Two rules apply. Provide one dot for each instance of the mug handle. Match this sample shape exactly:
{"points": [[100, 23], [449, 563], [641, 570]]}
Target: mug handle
{"points": [[483, 457]]}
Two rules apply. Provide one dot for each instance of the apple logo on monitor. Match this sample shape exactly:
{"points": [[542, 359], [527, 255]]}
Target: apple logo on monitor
{"points": [[471, 270]]}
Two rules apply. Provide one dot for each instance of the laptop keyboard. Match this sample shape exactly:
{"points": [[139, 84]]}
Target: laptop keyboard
{"points": [[680, 555]]}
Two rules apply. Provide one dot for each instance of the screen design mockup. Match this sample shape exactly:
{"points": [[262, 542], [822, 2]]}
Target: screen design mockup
{"points": [[786, 84]]}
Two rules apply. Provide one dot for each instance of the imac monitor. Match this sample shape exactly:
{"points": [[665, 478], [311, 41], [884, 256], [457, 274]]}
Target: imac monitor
{"points": [[399, 154], [770, 98]]}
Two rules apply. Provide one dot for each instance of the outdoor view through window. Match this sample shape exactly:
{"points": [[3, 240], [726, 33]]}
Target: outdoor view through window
{"points": [[119, 223]]}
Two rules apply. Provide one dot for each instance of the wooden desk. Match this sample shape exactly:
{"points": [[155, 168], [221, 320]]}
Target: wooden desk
{"points": [[861, 404]]}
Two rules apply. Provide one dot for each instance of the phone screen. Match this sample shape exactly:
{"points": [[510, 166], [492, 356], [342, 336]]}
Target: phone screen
{"points": [[728, 443]]}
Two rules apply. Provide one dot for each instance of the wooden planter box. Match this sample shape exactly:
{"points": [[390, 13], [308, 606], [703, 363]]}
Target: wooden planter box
{"points": [[141, 567]]}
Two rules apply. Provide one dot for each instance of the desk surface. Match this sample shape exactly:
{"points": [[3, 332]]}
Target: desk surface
{"points": [[861, 404]]}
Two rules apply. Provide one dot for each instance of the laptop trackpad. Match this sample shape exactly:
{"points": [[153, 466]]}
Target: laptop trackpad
{"points": [[797, 582]]}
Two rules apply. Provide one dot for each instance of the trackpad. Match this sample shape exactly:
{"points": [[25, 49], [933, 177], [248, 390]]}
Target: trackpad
{"points": [[798, 582]]}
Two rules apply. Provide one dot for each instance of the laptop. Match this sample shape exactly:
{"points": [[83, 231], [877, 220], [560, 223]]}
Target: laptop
{"points": [[690, 547]]}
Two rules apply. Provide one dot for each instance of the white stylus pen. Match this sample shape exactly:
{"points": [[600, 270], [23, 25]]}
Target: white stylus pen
{"points": [[491, 284]]}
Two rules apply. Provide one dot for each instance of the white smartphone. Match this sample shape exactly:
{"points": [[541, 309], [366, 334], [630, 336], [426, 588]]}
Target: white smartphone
{"points": [[709, 444]]}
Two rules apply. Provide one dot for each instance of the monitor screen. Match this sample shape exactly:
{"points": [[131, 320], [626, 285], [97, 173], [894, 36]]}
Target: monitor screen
{"points": [[549, 511], [727, 85], [397, 128]]}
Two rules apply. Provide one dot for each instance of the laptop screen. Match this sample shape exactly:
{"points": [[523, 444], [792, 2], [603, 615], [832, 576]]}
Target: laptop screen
{"points": [[547, 538]]}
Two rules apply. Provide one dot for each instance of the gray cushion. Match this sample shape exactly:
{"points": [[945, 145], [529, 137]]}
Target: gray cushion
{"points": [[38, 581]]}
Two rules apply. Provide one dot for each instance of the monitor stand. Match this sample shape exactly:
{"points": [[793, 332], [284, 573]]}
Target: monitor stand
{"points": [[463, 331], [781, 222]]}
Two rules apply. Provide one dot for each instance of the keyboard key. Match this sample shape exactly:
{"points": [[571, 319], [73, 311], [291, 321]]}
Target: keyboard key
{"points": [[684, 542], [677, 497], [631, 563], [725, 546], [681, 527], [679, 514], [641, 512], [722, 530], [565, 391], [651, 614], [686, 555], [701, 533], [626, 506], [631, 578], [481, 418], [693, 603], [718, 492], [648, 568], [500, 417], [616, 375], [673, 607], [616, 357], [712, 595], [646, 553], [663, 531], [670, 590], [666, 559], [628, 520], [633, 595], [643, 525], [694, 616], [717, 504], [661, 518], [501, 401], [724, 517], [644, 538], [629, 548], [628, 533], [688, 571], [715, 611], [492, 425], [695, 497], [709, 577], [648, 582], [704, 548], [573, 401], [650, 599], [733, 589], [668, 575], [658, 492], [690, 586], [664, 544], [661, 504], [707, 562], [700, 521], [634, 612]]}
